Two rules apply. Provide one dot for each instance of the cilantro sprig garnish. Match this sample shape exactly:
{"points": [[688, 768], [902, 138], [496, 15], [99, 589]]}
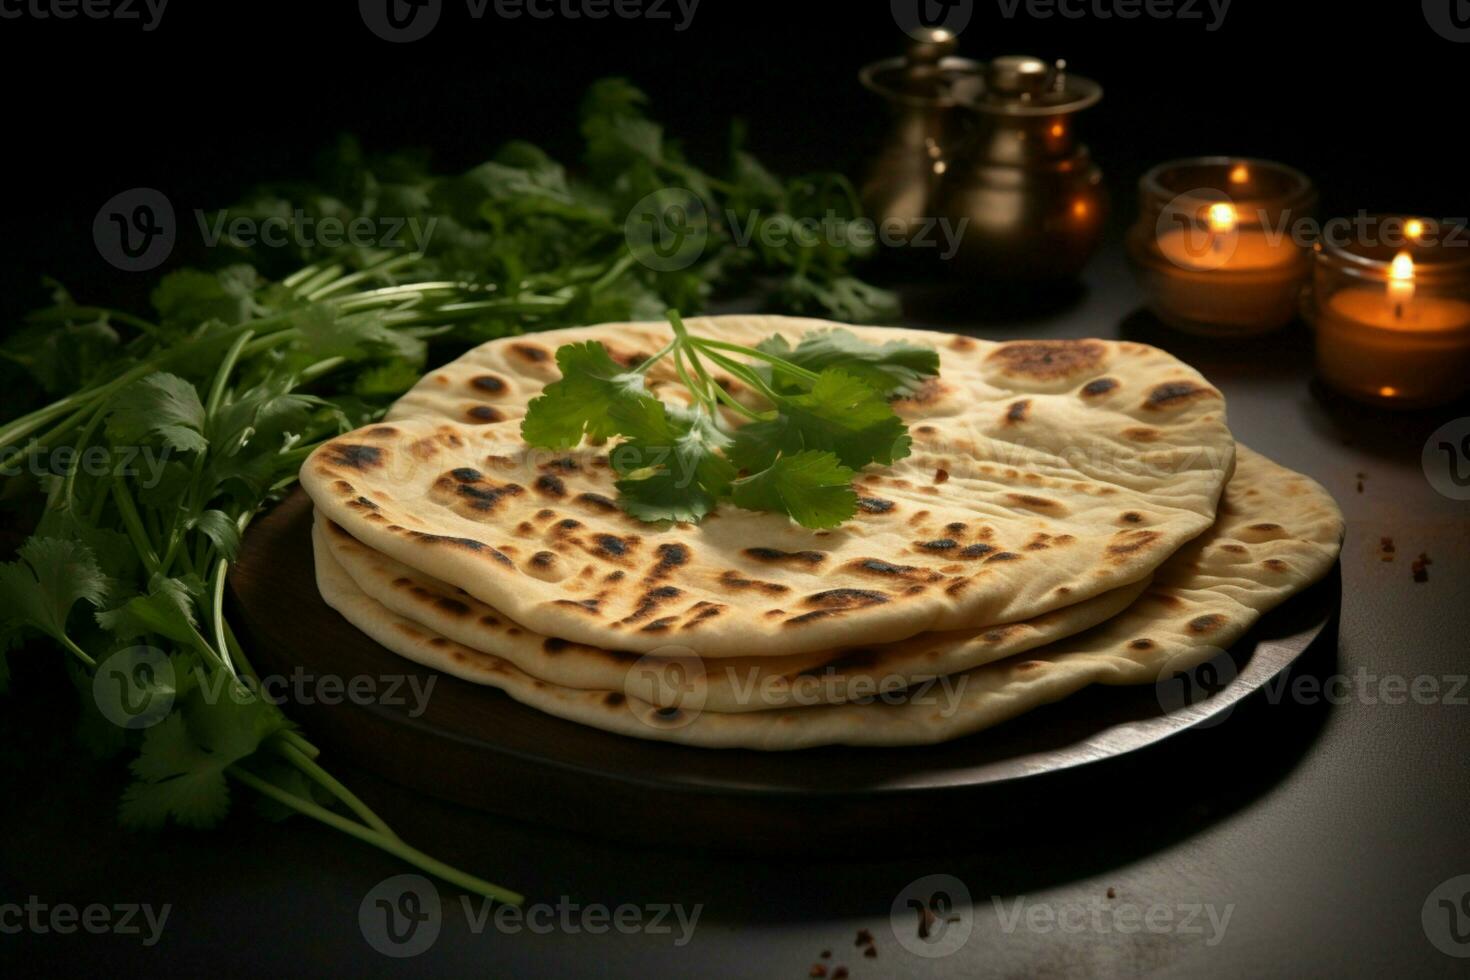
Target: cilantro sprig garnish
{"points": [[822, 414]]}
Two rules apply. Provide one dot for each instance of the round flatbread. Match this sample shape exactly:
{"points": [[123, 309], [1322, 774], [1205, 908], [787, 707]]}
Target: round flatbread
{"points": [[1043, 473], [1278, 533], [730, 683]]}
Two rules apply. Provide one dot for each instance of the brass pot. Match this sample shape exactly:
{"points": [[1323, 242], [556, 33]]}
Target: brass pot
{"points": [[1030, 197], [898, 192]]}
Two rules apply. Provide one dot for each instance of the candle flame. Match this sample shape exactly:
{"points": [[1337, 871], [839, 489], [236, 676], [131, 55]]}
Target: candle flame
{"points": [[1401, 268], [1414, 228], [1388, 391], [1222, 218], [1400, 282], [1057, 129], [1240, 173]]}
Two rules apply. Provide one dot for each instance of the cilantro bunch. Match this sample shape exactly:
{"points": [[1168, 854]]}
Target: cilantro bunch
{"points": [[825, 414], [139, 445], [147, 475]]}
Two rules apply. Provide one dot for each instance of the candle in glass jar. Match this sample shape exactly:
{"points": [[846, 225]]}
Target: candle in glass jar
{"points": [[1238, 277], [1224, 266], [1226, 245], [1393, 344]]}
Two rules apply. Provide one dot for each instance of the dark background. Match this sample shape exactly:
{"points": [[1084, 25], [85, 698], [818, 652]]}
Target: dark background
{"points": [[226, 94], [1327, 826]]}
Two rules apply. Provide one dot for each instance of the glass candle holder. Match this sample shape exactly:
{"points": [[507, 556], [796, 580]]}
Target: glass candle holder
{"points": [[1216, 247], [1391, 310]]}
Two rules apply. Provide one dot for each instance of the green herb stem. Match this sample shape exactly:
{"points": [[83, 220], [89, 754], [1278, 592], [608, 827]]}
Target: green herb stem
{"points": [[374, 272], [63, 313], [133, 524], [308, 767], [217, 612], [777, 363], [75, 650], [391, 845]]}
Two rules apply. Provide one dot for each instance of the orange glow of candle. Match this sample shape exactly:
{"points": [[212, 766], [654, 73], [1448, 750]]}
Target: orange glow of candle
{"points": [[1414, 229], [1240, 174], [1400, 282], [1222, 219]]}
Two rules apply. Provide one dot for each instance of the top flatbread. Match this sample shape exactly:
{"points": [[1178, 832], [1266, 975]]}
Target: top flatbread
{"points": [[1043, 473]]}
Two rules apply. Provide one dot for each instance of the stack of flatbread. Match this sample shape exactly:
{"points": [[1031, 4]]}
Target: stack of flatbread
{"points": [[1071, 513]]}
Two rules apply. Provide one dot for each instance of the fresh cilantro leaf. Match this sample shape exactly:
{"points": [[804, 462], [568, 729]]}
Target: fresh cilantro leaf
{"points": [[356, 336], [221, 530], [130, 684], [681, 448], [614, 127], [250, 431], [814, 488], [581, 402], [259, 415], [66, 356], [843, 297], [51, 576], [840, 414], [159, 407], [113, 550], [167, 488], [166, 610], [886, 368], [656, 431], [181, 768], [664, 497], [699, 445], [188, 297], [176, 779]]}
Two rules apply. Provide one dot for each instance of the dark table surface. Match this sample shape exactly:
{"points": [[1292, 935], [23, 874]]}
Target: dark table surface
{"points": [[1308, 835]]}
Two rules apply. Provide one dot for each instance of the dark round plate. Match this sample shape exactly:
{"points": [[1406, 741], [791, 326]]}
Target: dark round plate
{"points": [[477, 746]]}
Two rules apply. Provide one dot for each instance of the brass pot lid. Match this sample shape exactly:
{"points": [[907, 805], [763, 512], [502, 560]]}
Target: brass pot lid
{"points": [[1020, 85], [927, 75]]}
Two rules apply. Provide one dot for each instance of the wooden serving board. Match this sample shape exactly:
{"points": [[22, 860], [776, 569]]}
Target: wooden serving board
{"points": [[475, 745]]}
